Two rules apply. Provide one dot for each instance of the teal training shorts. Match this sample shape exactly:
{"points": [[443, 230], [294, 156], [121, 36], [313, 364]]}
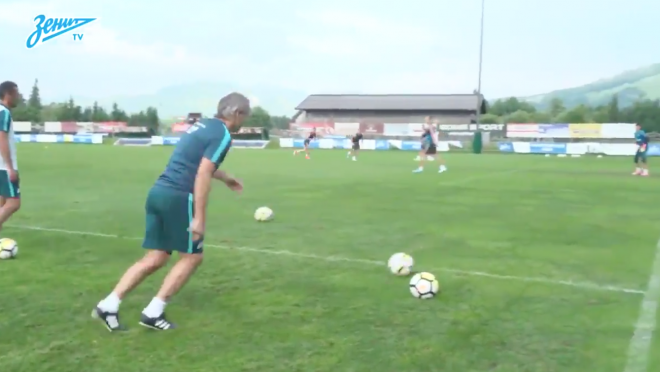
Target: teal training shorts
{"points": [[640, 156], [8, 188], [169, 214]]}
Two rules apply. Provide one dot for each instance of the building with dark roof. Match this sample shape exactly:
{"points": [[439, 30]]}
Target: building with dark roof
{"points": [[390, 108]]}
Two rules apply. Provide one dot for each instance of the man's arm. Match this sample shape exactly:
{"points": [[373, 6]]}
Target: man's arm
{"points": [[4, 138], [221, 175], [203, 187], [214, 154]]}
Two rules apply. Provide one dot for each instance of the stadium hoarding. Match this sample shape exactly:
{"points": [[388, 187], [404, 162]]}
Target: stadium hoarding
{"points": [[577, 130]]}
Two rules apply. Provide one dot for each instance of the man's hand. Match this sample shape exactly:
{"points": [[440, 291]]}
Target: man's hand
{"points": [[234, 184], [197, 228], [13, 174]]}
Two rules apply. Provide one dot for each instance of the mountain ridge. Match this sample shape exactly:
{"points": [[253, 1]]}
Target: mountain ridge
{"points": [[629, 86]]}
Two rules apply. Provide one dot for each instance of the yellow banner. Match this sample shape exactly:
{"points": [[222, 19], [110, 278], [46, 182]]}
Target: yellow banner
{"points": [[584, 130]]}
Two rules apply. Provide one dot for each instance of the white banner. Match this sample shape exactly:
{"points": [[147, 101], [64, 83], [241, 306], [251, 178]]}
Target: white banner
{"points": [[395, 129], [347, 129], [22, 126], [52, 126], [617, 130]]}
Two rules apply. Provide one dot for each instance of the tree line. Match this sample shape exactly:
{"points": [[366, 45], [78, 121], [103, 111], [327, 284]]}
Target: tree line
{"points": [[512, 110], [33, 110]]}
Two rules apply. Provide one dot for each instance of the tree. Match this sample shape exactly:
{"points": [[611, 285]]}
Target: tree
{"points": [[613, 110], [117, 114], [259, 118], [34, 104], [556, 107], [280, 122], [98, 114], [509, 106], [152, 121], [519, 116], [578, 114], [489, 119]]}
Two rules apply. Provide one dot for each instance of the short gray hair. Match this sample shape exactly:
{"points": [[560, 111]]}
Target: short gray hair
{"points": [[233, 103]]}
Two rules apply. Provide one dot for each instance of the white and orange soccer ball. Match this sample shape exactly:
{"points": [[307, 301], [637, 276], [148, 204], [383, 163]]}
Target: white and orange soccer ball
{"points": [[8, 248], [424, 286], [400, 264]]}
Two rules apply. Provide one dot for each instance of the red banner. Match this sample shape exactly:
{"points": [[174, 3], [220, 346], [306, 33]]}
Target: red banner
{"points": [[69, 127], [372, 128], [180, 127]]}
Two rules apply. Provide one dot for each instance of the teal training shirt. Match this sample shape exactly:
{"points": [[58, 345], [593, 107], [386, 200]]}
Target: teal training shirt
{"points": [[208, 138], [428, 137], [641, 138]]}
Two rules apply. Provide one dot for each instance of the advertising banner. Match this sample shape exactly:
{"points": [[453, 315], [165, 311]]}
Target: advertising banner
{"points": [[585, 130], [321, 128], [553, 130], [347, 129], [22, 126], [180, 127], [522, 130], [547, 148], [617, 130], [396, 129], [505, 146], [372, 128]]}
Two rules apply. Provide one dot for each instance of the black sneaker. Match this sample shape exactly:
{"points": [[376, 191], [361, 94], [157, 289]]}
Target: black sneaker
{"points": [[159, 323], [111, 320]]}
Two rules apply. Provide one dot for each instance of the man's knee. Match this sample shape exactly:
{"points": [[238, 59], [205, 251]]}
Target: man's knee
{"points": [[154, 260], [12, 204], [193, 259]]}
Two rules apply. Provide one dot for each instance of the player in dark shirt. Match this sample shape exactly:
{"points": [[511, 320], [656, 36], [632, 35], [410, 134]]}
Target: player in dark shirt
{"points": [[355, 149], [310, 138], [176, 213], [429, 148]]}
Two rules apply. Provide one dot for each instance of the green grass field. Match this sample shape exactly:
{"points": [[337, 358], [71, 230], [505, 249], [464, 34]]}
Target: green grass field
{"points": [[543, 264]]}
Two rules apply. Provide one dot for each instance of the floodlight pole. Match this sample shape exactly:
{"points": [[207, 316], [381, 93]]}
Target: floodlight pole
{"points": [[481, 60]]}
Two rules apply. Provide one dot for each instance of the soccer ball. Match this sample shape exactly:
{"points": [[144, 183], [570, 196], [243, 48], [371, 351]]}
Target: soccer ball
{"points": [[424, 286], [263, 214], [400, 264], [8, 248]]}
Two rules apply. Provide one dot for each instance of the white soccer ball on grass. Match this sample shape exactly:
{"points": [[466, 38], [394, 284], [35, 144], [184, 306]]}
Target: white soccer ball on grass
{"points": [[263, 214], [424, 286], [8, 248], [400, 264]]}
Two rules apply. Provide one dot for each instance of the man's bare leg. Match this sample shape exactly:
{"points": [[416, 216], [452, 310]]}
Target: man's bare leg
{"points": [[185, 267], [108, 308], [8, 206]]}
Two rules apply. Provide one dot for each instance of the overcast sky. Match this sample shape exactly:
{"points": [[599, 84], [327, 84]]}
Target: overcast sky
{"points": [[369, 46]]}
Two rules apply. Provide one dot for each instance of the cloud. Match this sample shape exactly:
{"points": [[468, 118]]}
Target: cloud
{"points": [[344, 34]]}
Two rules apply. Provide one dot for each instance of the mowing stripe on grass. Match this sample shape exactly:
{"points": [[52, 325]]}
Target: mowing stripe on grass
{"points": [[640, 343], [569, 283]]}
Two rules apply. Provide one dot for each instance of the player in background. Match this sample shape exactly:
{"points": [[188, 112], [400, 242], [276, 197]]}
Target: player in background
{"points": [[312, 136], [642, 141], [429, 148], [176, 213], [436, 135], [10, 194], [355, 150]]}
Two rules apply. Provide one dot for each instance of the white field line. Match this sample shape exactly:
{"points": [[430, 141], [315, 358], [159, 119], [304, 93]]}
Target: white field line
{"points": [[640, 343], [569, 283]]}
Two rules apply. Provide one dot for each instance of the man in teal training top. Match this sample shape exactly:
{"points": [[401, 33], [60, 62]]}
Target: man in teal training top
{"points": [[642, 141], [176, 213]]}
